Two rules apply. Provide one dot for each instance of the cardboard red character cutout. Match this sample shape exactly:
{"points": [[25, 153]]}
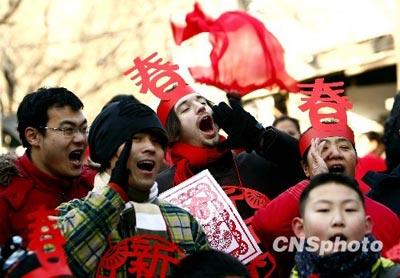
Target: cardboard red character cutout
{"points": [[325, 95], [145, 255], [47, 242], [169, 92]]}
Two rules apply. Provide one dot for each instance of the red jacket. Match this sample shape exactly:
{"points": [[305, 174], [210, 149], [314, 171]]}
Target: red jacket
{"points": [[32, 189], [276, 218]]}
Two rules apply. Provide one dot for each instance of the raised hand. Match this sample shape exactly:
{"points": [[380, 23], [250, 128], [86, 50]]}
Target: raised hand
{"points": [[315, 161], [243, 130], [120, 173]]}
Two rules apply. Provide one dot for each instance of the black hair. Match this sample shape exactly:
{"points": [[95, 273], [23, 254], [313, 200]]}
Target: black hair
{"points": [[173, 127], [324, 178], [209, 263], [374, 136], [287, 118], [33, 110]]}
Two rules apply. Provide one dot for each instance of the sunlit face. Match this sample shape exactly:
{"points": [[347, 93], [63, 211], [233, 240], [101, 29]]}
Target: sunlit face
{"points": [[333, 211], [144, 162], [54, 153], [339, 155], [197, 125], [289, 127]]}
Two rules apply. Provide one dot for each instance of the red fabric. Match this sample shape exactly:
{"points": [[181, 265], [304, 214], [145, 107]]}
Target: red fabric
{"points": [[245, 55], [119, 190], [370, 162], [275, 220], [187, 157], [32, 189], [330, 131], [394, 253]]}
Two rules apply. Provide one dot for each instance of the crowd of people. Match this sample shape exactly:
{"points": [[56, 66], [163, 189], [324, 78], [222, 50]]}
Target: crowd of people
{"points": [[114, 224]]}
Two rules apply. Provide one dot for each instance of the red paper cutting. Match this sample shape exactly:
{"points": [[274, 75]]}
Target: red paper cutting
{"points": [[323, 95], [147, 256], [245, 55], [151, 72], [253, 198], [325, 124], [47, 243]]}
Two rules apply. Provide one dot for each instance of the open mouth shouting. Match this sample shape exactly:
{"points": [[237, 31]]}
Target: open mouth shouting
{"points": [[206, 126], [336, 168], [338, 237], [146, 165], [76, 157]]}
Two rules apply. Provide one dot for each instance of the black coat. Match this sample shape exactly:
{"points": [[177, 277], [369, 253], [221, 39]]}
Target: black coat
{"points": [[385, 188], [273, 169]]}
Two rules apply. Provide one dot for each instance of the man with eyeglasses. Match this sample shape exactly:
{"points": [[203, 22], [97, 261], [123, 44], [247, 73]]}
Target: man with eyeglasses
{"points": [[53, 129]]}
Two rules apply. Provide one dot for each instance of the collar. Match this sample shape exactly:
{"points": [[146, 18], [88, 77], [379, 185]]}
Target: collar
{"points": [[42, 180], [101, 180]]}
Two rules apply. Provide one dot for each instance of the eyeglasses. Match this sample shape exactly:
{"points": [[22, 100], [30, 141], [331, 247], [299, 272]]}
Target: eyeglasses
{"points": [[69, 131]]}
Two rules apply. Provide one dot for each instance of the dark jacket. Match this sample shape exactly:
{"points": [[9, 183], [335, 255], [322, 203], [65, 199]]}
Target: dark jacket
{"points": [[270, 171], [385, 188], [252, 179]]}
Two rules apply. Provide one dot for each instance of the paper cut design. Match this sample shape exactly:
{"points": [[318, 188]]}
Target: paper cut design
{"points": [[151, 72], [245, 55], [253, 198], [146, 255], [323, 95], [202, 196], [47, 243]]}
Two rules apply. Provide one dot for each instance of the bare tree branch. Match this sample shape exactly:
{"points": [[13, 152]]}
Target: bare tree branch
{"points": [[8, 70], [13, 6]]}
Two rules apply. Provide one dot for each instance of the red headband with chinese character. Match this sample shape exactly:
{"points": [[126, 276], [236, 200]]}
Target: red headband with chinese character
{"points": [[305, 138], [151, 72], [333, 124]]}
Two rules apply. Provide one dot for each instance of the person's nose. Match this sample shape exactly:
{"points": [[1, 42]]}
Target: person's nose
{"points": [[338, 219], [80, 137], [334, 152], [199, 107], [148, 144]]}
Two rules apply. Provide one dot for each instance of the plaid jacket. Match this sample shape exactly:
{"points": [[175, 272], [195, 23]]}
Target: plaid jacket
{"points": [[90, 224]]}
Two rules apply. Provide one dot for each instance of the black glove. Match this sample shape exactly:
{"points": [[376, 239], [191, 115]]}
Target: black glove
{"points": [[120, 173], [243, 130]]}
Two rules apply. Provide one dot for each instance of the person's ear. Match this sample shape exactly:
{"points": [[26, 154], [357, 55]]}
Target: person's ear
{"points": [[298, 227], [368, 224], [305, 168], [33, 136]]}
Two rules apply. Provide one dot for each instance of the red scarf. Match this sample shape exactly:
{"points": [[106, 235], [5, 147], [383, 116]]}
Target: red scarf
{"points": [[187, 157]]}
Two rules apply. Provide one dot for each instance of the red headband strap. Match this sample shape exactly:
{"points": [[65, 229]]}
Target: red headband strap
{"points": [[166, 106], [305, 138]]}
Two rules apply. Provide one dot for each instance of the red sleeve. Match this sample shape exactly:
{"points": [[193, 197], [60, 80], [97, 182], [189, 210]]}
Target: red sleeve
{"points": [[385, 223], [276, 218], [4, 223]]}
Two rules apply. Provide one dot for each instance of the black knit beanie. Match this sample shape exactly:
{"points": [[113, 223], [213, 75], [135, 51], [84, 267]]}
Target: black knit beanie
{"points": [[117, 123]]}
